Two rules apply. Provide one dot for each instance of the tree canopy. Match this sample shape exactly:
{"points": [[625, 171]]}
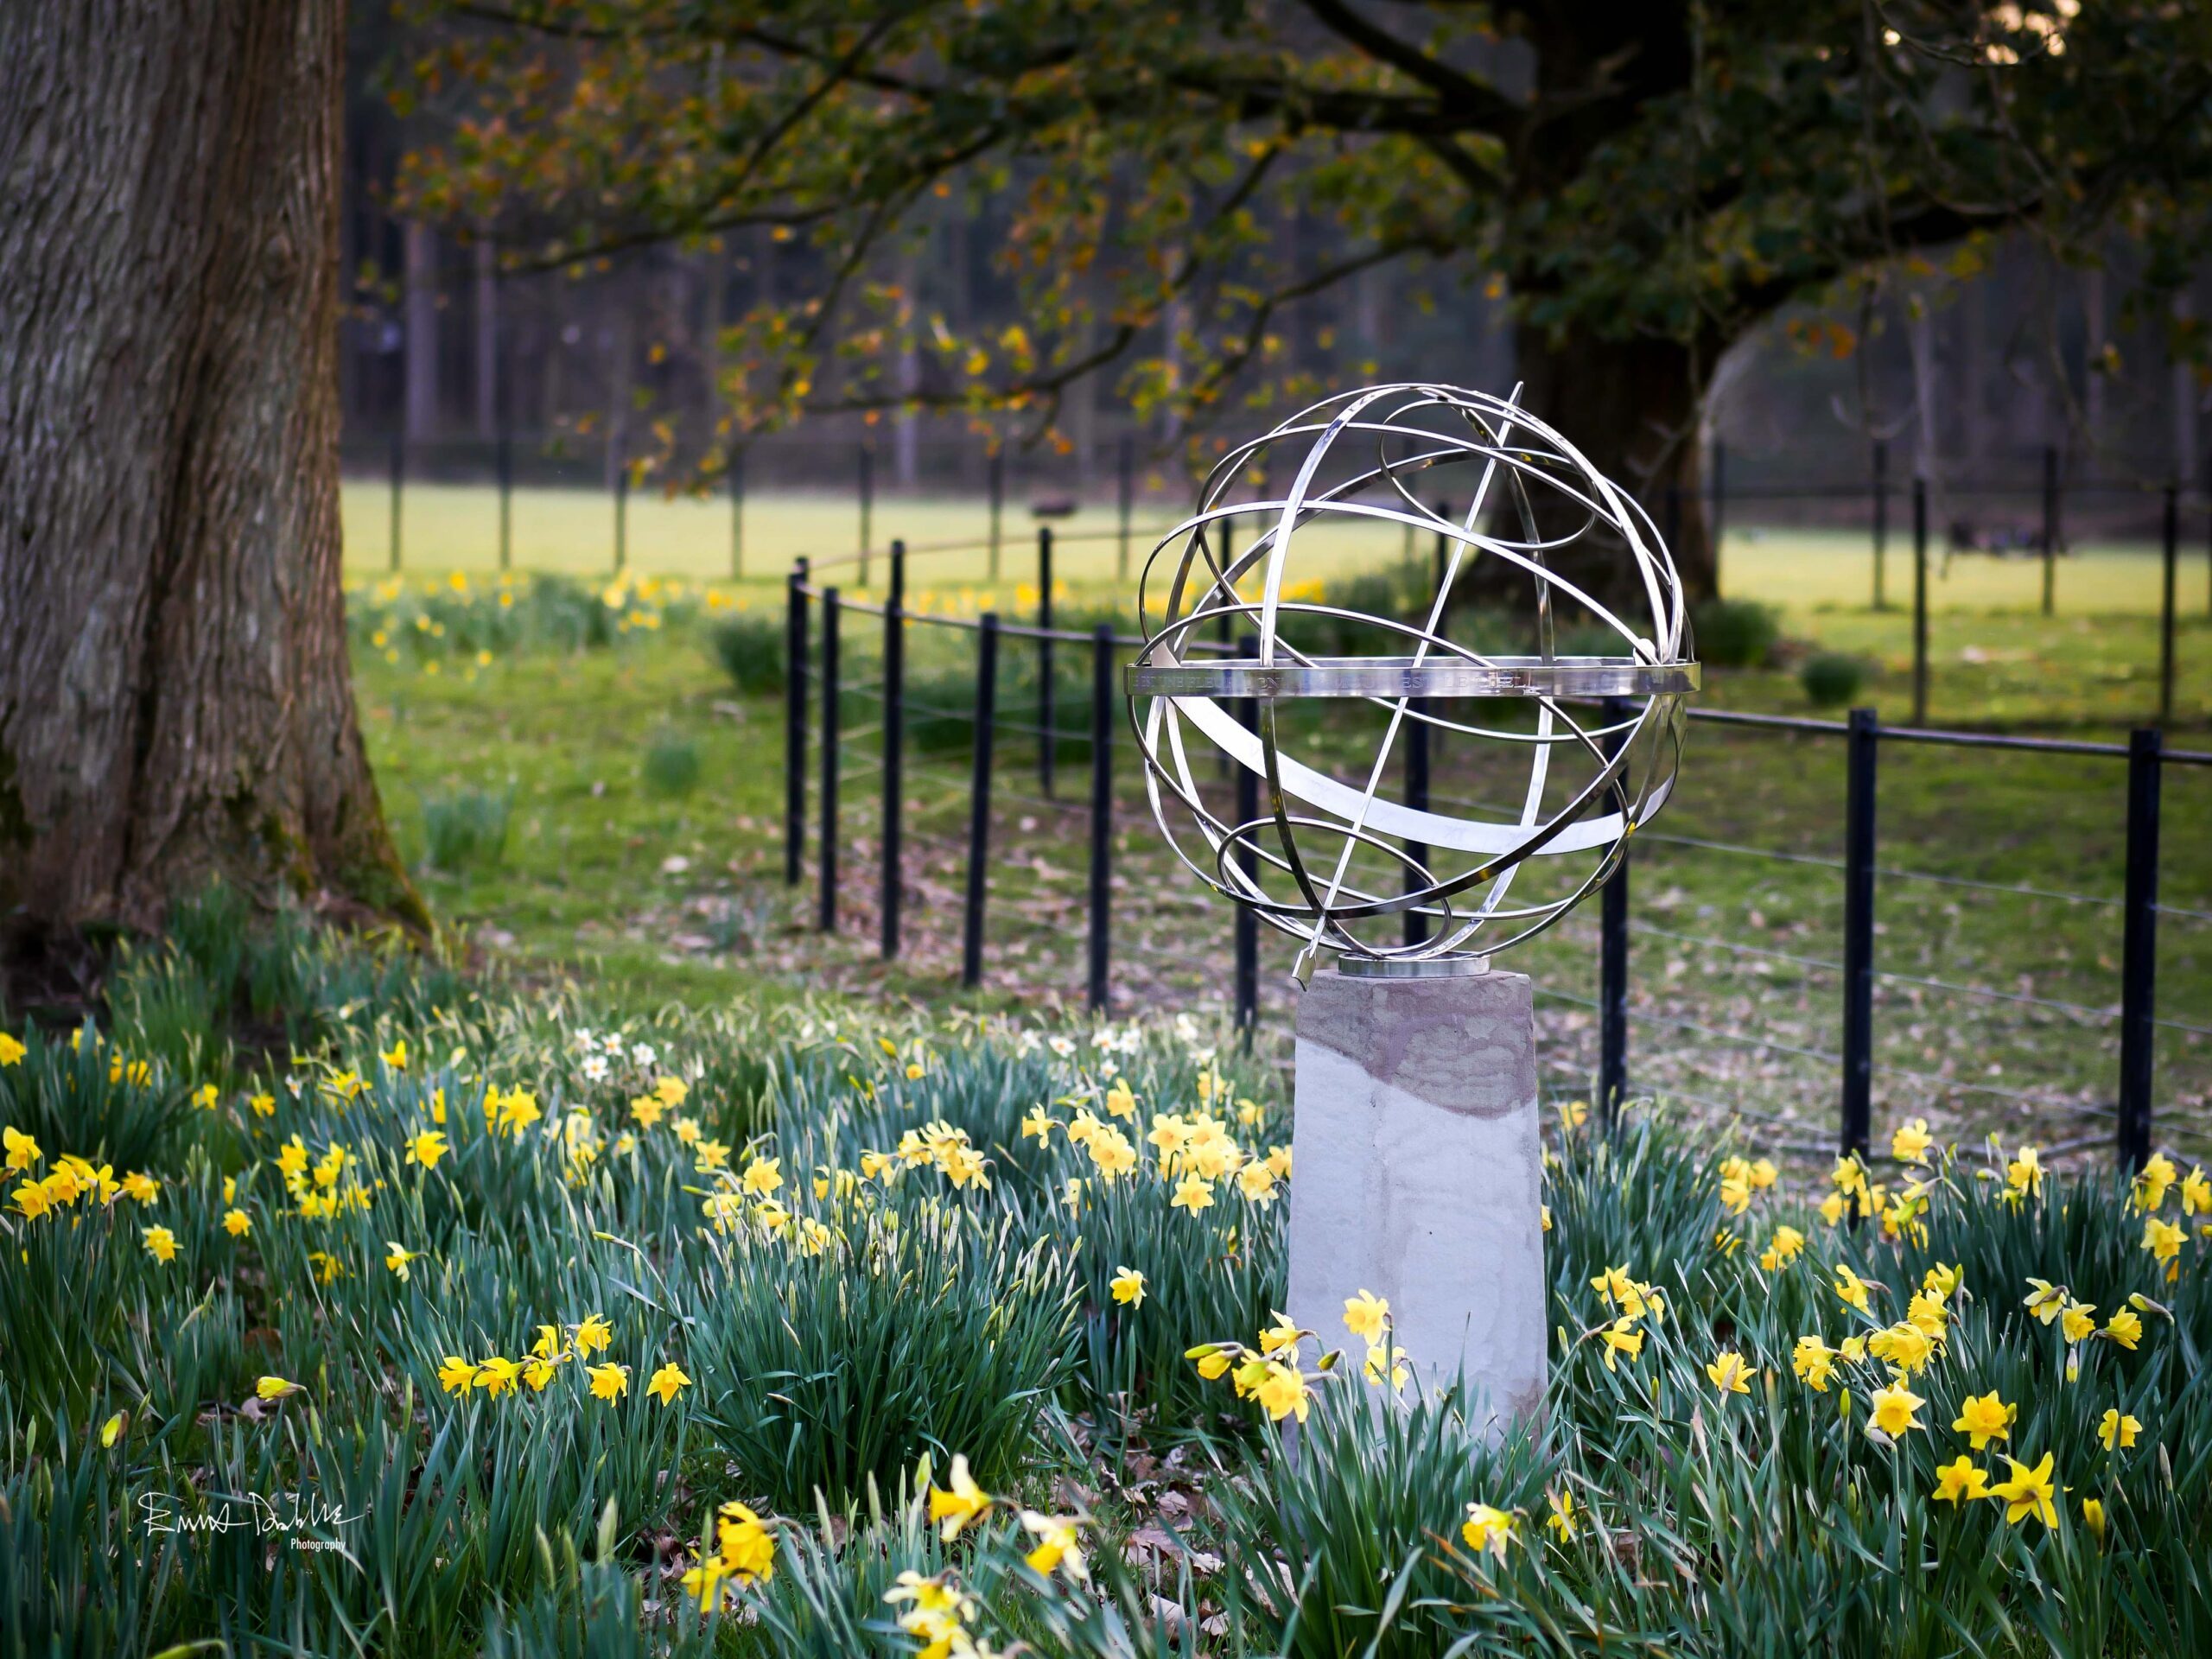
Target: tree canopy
{"points": [[1642, 183]]}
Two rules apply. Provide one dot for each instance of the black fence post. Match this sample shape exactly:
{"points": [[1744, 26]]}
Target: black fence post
{"points": [[826, 898], [621, 512], [1612, 953], [1881, 520], [795, 722], [979, 800], [1859, 934], [2170, 546], [1417, 798], [1047, 732], [736, 515], [398, 485], [997, 489], [2049, 528], [868, 505], [2139, 951], [1125, 493], [895, 748], [1247, 921], [504, 458], [1920, 601], [1101, 807], [1443, 557], [1223, 618]]}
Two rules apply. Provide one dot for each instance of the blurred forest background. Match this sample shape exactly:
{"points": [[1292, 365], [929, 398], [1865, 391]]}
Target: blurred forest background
{"points": [[1973, 363]]}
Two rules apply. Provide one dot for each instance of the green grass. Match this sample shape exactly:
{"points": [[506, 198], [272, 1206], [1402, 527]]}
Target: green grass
{"points": [[660, 893], [924, 1280]]}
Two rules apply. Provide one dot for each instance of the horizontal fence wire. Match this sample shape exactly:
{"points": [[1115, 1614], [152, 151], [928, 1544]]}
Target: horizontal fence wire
{"points": [[1038, 917]]}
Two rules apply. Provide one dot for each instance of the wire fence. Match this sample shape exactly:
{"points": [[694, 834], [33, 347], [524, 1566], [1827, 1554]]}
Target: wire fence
{"points": [[1031, 827]]}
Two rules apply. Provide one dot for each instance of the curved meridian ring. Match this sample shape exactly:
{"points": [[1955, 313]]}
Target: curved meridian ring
{"points": [[1292, 864]]}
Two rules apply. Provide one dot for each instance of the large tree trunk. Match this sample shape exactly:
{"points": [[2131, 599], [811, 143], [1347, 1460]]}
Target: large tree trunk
{"points": [[1631, 407], [174, 696]]}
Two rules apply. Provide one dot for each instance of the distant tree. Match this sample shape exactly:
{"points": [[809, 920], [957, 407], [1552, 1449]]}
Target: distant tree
{"points": [[176, 701], [1644, 182]]}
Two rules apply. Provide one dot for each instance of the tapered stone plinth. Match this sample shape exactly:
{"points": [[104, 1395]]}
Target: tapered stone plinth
{"points": [[1417, 1162]]}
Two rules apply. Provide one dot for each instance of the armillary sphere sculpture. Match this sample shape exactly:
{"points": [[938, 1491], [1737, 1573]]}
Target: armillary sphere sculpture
{"points": [[1334, 862]]}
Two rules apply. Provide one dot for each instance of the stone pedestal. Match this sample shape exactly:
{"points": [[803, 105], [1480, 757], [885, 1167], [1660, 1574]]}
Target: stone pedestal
{"points": [[1416, 1170]]}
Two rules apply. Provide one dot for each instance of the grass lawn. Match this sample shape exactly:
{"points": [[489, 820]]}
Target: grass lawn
{"points": [[2000, 1012]]}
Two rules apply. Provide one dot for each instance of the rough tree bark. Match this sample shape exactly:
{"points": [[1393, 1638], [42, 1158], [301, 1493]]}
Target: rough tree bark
{"points": [[1632, 407], [174, 697]]}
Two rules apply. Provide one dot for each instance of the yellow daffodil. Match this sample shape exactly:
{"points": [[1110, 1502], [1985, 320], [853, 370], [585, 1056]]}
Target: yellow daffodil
{"points": [[953, 1509], [1905, 1346], [2044, 1299], [1853, 1289], [1193, 1194], [162, 1243], [11, 1049], [667, 1381], [22, 1150], [2152, 1181], [1959, 1479], [2093, 1516], [1256, 1181], [748, 1548], [262, 1105], [496, 1375], [1813, 1361], [1127, 1286], [426, 1148], [608, 1382], [2124, 1328], [1782, 1249], [2024, 1175], [1910, 1143], [1057, 1545], [1729, 1373], [594, 1334], [1562, 1518], [2029, 1491], [1284, 1390], [398, 1256], [1487, 1529], [538, 1372], [1985, 1418], [1622, 1336], [2078, 1321], [2197, 1193], [1365, 1316], [237, 1223], [763, 1176], [1120, 1100], [1894, 1410], [2118, 1431], [273, 1388], [1038, 1126], [2162, 1238], [456, 1375]]}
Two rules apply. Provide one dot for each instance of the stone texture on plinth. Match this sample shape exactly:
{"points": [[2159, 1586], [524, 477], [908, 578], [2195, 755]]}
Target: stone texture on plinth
{"points": [[1417, 1163]]}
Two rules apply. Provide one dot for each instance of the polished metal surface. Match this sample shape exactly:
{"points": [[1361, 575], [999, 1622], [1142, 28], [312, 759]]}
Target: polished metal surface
{"points": [[1351, 462], [1410, 677]]}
